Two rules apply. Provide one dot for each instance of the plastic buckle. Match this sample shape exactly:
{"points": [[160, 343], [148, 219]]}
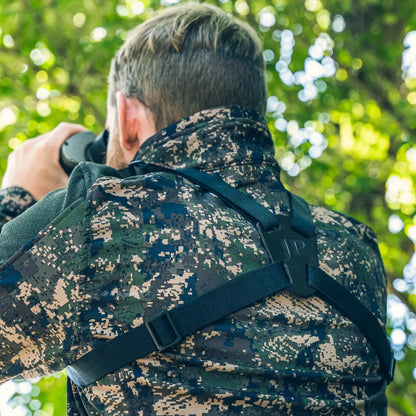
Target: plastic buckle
{"points": [[153, 332], [294, 250]]}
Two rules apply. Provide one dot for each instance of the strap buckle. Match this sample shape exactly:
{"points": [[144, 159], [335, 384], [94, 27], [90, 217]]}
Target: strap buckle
{"points": [[295, 251], [162, 328]]}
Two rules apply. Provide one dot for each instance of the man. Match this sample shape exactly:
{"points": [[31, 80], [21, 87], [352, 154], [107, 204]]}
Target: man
{"points": [[90, 262]]}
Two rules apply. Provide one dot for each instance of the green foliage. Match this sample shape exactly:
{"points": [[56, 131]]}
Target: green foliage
{"points": [[43, 397], [342, 112]]}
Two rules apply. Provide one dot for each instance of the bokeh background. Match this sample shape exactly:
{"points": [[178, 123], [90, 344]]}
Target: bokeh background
{"points": [[342, 110]]}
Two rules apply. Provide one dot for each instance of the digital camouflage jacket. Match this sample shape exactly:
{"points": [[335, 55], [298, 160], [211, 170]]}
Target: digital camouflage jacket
{"points": [[89, 262]]}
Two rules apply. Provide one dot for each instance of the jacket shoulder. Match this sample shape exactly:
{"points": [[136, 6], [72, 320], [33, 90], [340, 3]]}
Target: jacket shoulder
{"points": [[348, 252], [329, 220]]}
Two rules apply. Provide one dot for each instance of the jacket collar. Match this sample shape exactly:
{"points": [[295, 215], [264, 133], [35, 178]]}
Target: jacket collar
{"points": [[211, 139]]}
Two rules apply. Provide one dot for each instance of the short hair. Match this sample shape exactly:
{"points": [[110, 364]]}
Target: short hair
{"points": [[188, 58]]}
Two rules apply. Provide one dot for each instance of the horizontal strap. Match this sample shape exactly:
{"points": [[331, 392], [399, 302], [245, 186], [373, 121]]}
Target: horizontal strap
{"points": [[350, 306], [167, 328], [237, 200]]}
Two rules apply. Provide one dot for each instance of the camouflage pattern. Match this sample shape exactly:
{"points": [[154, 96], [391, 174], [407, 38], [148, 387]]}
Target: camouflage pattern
{"points": [[13, 201], [133, 245]]}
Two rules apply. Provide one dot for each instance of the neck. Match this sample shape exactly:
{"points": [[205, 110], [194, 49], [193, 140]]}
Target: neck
{"points": [[211, 139]]}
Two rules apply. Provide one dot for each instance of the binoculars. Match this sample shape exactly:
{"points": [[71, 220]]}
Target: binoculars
{"points": [[83, 146]]}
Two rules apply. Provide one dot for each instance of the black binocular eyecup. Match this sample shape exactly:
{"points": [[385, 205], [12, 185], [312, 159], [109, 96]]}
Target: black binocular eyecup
{"points": [[84, 146]]}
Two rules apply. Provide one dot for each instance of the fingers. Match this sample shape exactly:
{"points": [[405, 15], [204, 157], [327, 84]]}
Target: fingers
{"points": [[58, 135], [35, 166], [62, 131]]}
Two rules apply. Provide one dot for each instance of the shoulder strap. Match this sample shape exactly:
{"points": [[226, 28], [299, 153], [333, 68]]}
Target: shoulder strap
{"points": [[248, 207], [169, 327], [291, 244]]}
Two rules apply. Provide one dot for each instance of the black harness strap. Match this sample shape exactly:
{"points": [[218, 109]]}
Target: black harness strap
{"points": [[167, 328], [292, 247], [246, 206], [350, 306]]}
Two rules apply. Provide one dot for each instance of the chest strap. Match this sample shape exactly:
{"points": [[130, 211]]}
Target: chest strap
{"points": [[292, 247]]}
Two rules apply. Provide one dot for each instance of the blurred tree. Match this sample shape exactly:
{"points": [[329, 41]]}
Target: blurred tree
{"points": [[342, 86]]}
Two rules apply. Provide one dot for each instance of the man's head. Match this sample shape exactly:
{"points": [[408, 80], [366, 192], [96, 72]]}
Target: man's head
{"points": [[183, 60]]}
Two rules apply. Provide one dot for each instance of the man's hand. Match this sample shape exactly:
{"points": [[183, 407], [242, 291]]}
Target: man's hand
{"points": [[35, 166]]}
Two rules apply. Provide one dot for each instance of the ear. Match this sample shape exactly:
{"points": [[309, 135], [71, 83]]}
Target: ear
{"points": [[136, 123], [128, 122]]}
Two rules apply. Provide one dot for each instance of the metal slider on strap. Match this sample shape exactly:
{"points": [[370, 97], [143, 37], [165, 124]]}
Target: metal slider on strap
{"points": [[161, 326]]}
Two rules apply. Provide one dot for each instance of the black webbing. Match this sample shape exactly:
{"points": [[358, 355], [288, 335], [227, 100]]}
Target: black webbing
{"points": [[350, 306], [167, 328], [300, 221], [300, 216], [239, 201]]}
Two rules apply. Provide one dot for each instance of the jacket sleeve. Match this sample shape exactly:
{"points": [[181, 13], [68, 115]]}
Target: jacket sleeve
{"points": [[40, 290], [13, 201]]}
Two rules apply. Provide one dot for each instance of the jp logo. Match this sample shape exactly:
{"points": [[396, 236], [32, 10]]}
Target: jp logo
{"points": [[292, 248]]}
